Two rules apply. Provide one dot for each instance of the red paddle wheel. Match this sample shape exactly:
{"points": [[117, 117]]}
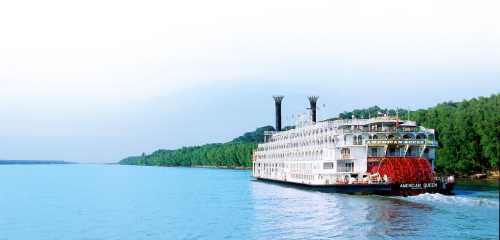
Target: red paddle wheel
{"points": [[404, 169]]}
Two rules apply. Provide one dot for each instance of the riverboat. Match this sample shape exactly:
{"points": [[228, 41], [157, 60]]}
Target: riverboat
{"points": [[380, 155]]}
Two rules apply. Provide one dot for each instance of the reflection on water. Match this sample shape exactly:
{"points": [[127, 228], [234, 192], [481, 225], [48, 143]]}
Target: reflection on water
{"points": [[397, 218], [287, 212]]}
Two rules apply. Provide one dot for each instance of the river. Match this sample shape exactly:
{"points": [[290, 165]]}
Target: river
{"points": [[77, 202]]}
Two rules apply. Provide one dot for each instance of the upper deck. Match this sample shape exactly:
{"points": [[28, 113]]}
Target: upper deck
{"points": [[379, 128], [384, 134]]}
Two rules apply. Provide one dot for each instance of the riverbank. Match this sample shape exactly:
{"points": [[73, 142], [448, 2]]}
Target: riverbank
{"points": [[481, 175], [224, 167]]}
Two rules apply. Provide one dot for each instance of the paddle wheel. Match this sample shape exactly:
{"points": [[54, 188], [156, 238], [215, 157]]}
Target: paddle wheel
{"points": [[404, 169]]}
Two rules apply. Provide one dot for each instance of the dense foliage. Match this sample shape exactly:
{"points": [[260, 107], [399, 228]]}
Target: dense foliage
{"points": [[468, 133], [237, 153], [227, 155], [256, 136]]}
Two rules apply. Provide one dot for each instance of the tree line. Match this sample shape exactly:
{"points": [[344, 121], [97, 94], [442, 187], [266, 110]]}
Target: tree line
{"points": [[468, 133], [227, 155], [236, 153]]}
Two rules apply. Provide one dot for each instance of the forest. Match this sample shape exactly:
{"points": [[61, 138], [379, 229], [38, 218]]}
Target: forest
{"points": [[234, 154], [468, 133]]}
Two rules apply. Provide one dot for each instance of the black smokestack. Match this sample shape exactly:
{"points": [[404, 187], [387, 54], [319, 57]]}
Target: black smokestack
{"points": [[312, 101], [277, 103]]}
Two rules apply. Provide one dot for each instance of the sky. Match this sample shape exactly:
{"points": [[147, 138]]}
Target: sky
{"points": [[97, 81]]}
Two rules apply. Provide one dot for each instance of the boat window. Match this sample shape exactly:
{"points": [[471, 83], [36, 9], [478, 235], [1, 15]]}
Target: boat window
{"points": [[373, 152], [349, 167], [345, 152], [328, 165]]}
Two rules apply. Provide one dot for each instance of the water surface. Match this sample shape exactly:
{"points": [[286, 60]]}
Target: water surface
{"points": [[129, 202]]}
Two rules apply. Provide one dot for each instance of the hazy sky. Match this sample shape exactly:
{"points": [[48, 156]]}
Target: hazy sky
{"points": [[96, 81]]}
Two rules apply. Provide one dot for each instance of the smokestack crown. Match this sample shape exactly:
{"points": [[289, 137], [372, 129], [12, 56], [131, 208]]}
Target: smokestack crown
{"points": [[278, 98], [313, 99]]}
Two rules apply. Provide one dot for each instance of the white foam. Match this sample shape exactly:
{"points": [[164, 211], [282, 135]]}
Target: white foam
{"points": [[453, 200]]}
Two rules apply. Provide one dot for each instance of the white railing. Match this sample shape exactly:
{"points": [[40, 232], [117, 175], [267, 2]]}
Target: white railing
{"points": [[344, 178]]}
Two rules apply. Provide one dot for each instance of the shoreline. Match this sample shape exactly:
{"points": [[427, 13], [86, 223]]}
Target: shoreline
{"points": [[491, 175], [222, 167], [196, 166]]}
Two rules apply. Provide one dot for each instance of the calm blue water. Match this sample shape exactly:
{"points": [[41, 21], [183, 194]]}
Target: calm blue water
{"points": [[126, 202]]}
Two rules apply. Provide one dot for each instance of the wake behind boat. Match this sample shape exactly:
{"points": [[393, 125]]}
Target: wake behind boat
{"points": [[381, 155]]}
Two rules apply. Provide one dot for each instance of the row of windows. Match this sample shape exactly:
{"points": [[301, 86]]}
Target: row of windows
{"points": [[345, 153], [410, 152], [405, 136], [296, 144], [343, 166], [301, 154], [303, 133], [274, 167], [303, 176], [303, 168], [328, 165], [356, 140], [268, 168]]}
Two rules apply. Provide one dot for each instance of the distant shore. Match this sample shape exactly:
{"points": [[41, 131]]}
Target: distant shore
{"points": [[22, 162]]}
